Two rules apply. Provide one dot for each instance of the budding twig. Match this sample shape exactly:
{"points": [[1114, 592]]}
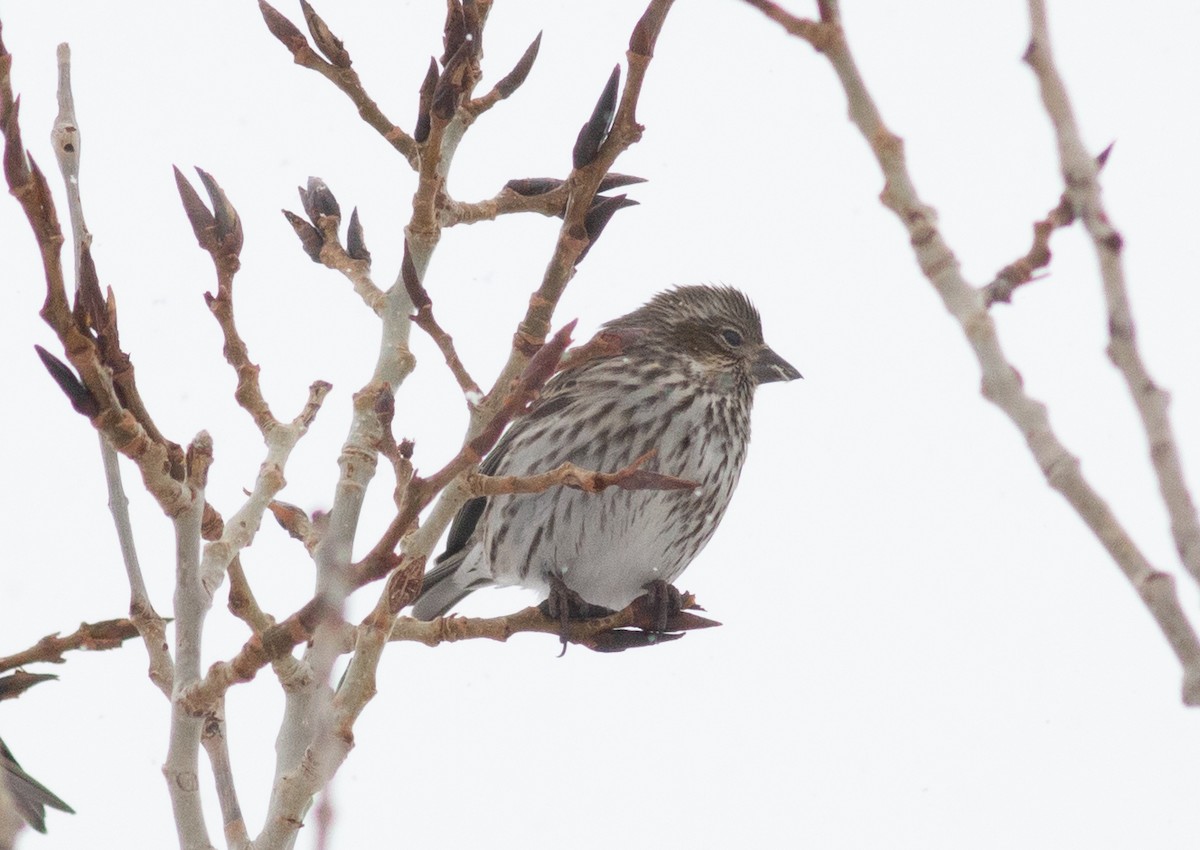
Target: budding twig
{"points": [[345, 78]]}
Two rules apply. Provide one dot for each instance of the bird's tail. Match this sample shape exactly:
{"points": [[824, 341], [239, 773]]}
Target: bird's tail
{"points": [[443, 587], [30, 796]]}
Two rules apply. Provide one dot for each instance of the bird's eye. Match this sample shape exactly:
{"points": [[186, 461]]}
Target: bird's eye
{"points": [[732, 337]]}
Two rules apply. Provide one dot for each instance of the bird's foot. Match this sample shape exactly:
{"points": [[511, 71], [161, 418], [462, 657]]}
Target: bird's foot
{"points": [[665, 602], [565, 605]]}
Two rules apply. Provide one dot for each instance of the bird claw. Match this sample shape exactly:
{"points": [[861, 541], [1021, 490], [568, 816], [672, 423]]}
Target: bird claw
{"points": [[565, 605], [665, 602]]}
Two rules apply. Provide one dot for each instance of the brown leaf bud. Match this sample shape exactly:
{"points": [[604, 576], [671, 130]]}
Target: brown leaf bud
{"points": [[282, 28], [328, 43], [512, 81], [356, 246], [318, 200], [425, 102], [229, 224], [454, 31], [89, 311], [612, 181], [310, 237], [595, 131], [451, 84], [80, 397], [528, 186], [619, 640], [412, 284], [601, 212], [204, 223]]}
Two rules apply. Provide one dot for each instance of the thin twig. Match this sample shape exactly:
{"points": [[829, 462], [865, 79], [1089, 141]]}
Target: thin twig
{"points": [[216, 744], [68, 140], [1001, 383], [1080, 173], [343, 77], [632, 477], [94, 637], [1022, 271]]}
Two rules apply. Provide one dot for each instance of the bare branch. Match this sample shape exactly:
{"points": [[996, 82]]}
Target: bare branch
{"points": [[425, 320], [1021, 271], [1080, 172], [632, 477], [1001, 384], [93, 637], [632, 626], [345, 78], [582, 185]]}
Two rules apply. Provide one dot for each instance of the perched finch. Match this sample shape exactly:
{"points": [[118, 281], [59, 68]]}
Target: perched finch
{"points": [[28, 795], [683, 387]]}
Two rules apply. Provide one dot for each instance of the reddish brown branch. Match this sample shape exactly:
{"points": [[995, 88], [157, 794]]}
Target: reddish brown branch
{"points": [[1021, 271], [632, 477], [581, 186], [345, 78], [124, 432], [106, 634], [631, 627], [425, 320]]}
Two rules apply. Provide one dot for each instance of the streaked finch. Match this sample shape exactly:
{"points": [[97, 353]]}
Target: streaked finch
{"points": [[683, 387]]}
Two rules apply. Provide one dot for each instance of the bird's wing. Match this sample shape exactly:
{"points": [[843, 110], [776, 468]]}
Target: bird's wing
{"points": [[559, 392]]}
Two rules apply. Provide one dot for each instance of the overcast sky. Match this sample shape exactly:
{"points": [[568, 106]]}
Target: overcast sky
{"points": [[923, 646]]}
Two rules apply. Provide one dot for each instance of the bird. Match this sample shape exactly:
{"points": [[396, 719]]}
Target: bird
{"points": [[681, 387], [28, 795]]}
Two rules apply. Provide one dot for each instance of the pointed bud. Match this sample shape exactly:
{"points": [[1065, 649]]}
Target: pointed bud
{"points": [[282, 28], [204, 223], [328, 43], [451, 84], [89, 313], [612, 181], [425, 102], [454, 30], [619, 640], [595, 131], [512, 81], [601, 212], [412, 283], [79, 396], [310, 237], [229, 225], [318, 201], [529, 186], [356, 246]]}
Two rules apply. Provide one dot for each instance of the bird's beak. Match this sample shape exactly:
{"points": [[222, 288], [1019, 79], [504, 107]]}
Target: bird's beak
{"points": [[769, 366]]}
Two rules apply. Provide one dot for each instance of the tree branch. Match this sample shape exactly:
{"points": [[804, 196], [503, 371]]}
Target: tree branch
{"points": [[342, 76], [95, 637], [1080, 173], [1001, 383]]}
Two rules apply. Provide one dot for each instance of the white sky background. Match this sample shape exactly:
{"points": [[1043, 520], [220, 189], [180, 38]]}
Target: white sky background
{"points": [[923, 646]]}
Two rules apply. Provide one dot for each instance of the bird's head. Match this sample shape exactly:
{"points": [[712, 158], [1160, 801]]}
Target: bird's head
{"points": [[716, 326]]}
